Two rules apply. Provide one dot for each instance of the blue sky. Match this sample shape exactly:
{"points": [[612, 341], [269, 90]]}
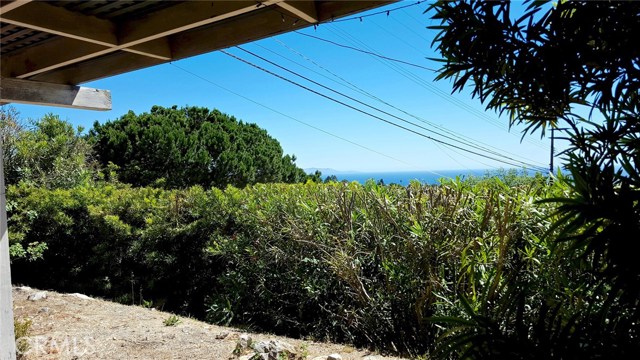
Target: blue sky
{"points": [[401, 35]]}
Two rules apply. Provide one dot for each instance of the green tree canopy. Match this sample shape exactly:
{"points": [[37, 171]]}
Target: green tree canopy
{"points": [[48, 152], [179, 147]]}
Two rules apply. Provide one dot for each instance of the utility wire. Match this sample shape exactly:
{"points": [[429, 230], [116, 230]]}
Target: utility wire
{"points": [[413, 17], [306, 67], [430, 87], [365, 51], [420, 81], [365, 112], [454, 159], [376, 13], [423, 83], [364, 92], [294, 119], [416, 79], [375, 108], [351, 86], [410, 29], [412, 47], [409, 75]]}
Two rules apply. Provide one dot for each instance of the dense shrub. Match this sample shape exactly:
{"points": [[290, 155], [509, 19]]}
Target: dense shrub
{"points": [[342, 261], [47, 152], [115, 241]]}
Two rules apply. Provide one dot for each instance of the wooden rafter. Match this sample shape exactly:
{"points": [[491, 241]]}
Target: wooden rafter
{"points": [[60, 21], [144, 34], [133, 36], [109, 65], [57, 20], [16, 35], [251, 27], [6, 7], [305, 10]]}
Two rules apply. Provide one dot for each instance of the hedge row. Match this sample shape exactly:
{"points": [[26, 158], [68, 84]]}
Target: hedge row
{"points": [[365, 264]]}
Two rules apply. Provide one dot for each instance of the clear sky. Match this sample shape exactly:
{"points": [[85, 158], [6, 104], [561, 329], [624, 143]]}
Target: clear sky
{"points": [[411, 90]]}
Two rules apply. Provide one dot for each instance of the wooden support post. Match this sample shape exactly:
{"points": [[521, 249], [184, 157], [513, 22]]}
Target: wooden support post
{"points": [[7, 337]]}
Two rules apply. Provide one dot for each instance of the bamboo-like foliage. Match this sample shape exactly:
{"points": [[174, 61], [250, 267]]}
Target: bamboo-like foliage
{"points": [[367, 264], [542, 66]]}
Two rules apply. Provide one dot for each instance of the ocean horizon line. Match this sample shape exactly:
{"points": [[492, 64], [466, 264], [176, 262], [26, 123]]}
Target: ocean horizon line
{"points": [[423, 176]]}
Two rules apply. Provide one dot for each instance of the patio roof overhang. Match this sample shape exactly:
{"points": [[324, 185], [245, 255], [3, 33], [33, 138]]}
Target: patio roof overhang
{"points": [[49, 47]]}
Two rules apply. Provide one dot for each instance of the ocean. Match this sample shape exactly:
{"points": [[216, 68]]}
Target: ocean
{"points": [[404, 177]]}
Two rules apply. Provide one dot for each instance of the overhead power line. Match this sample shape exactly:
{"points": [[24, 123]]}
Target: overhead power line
{"points": [[293, 118], [401, 39], [370, 114], [365, 93], [376, 13], [459, 137], [346, 83], [415, 78], [409, 75], [432, 88], [365, 51], [410, 29], [380, 110]]}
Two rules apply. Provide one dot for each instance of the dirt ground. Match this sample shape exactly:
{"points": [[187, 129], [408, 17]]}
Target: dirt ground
{"points": [[73, 326]]}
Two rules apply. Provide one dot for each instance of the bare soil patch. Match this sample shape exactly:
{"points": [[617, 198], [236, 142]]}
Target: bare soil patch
{"points": [[72, 326]]}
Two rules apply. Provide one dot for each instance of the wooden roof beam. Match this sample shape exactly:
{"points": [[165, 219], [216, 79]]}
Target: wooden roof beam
{"points": [[134, 36], [8, 6], [264, 22], [57, 20], [16, 35], [98, 68], [220, 35], [185, 16], [40, 93], [305, 10], [46, 56], [34, 60], [241, 30]]}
